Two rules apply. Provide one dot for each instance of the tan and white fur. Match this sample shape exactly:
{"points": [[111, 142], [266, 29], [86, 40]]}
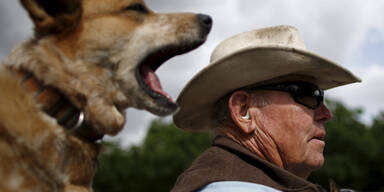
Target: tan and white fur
{"points": [[95, 53]]}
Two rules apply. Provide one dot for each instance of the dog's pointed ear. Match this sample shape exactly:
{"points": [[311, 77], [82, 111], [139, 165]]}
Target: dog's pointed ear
{"points": [[53, 16]]}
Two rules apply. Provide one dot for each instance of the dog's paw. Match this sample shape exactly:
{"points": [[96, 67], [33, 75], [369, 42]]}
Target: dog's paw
{"points": [[104, 118]]}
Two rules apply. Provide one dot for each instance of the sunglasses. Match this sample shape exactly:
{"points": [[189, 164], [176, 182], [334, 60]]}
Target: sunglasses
{"points": [[303, 93]]}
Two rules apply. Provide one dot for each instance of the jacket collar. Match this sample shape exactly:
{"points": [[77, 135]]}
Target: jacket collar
{"points": [[282, 179]]}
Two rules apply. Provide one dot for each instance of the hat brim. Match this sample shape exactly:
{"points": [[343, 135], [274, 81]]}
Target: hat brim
{"points": [[248, 67]]}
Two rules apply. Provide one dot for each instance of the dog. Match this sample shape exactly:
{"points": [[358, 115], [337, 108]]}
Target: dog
{"points": [[69, 85]]}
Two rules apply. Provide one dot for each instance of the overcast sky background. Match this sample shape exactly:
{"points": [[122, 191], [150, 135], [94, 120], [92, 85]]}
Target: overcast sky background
{"points": [[349, 32]]}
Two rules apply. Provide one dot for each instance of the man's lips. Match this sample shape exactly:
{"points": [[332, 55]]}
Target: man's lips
{"points": [[319, 136]]}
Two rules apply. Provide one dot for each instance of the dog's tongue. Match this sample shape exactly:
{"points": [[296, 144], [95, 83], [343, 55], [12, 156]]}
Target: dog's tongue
{"points": [[152, 81]]}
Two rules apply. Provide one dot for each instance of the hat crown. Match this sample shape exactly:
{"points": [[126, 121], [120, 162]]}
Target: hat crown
{"points": [[278, 36]]}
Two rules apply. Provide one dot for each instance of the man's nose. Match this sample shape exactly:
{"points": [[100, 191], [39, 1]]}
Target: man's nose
{"points": [[322, 113]]}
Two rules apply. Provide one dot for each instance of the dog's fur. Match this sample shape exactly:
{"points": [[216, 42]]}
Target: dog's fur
{"points": [[91, 51]]}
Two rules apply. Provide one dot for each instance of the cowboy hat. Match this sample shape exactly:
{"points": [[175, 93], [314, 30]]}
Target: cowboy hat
{"points": [[252, 58]]}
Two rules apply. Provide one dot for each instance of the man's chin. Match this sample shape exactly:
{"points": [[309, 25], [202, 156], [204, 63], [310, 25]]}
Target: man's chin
{"points": [[314, 163], [317, 162]]}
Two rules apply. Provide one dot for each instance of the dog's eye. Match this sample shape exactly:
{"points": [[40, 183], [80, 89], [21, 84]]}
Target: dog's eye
{"points": [[136, 7]]}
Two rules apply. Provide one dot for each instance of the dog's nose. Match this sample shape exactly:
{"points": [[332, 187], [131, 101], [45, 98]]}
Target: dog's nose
{"points": [[205, 22]]}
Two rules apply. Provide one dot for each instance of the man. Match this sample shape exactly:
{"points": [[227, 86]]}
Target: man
{"points": [[262, 94]]}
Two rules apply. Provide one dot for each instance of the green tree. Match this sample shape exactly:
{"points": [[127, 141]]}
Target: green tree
{"points": [[155, 165], [376, 177]]}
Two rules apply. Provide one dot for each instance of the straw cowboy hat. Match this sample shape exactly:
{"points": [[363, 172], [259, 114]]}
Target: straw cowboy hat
{"points": [[251, 58]]}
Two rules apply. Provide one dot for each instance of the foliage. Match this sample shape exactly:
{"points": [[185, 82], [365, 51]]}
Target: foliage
{"points": [[155, 165], [354, 156]]}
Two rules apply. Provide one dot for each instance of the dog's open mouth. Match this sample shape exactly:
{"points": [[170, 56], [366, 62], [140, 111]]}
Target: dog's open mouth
{"points": [[149, 82]]}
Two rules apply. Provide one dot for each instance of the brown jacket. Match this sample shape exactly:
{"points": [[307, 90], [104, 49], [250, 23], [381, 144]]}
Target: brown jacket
{"points": [[228, 161]]}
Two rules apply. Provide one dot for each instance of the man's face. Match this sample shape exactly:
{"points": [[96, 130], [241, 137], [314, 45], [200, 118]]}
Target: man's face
{"points": [[297, 131]]}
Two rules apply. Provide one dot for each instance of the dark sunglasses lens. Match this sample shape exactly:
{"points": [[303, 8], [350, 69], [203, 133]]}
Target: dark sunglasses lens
{"points": [[308, 101], [303, 93], [309, 95]]}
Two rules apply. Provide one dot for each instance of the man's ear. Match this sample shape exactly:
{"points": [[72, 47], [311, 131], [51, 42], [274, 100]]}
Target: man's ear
{"points": [[239, 104], [53, 16]]}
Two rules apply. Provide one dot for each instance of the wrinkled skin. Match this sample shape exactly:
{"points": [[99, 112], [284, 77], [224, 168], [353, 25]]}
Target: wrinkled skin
{"points": [[280, 130]]}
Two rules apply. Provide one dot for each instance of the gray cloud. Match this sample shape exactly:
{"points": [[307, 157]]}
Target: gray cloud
{"points": [[367, 95], [16, 26], [180, 6]]}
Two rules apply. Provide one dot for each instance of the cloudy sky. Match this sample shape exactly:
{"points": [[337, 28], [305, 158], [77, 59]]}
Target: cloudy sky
{"points": [[349, 32]]}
